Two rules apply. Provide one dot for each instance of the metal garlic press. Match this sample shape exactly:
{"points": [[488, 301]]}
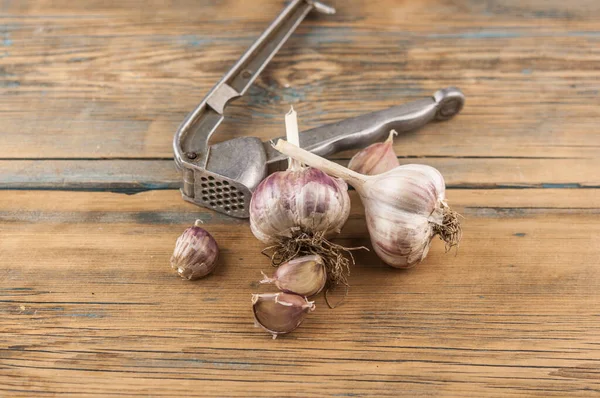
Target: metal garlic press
{"points": [[224, 175]]}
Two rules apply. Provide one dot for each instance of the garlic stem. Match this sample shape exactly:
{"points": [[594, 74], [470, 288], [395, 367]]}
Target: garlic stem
{"points": [[353, 178], [291, 133], [390, 138]]}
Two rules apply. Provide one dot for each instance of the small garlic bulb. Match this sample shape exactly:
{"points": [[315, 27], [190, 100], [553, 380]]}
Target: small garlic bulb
{"points": [[404, 207], [280, 313], [195, 253], [303, 198], [376, 158], [304, 276]]}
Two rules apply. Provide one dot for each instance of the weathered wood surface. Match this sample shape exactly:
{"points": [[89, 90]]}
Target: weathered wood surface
{"points": [[90, 305], [90, 94], [130, 176], [115, 79]]}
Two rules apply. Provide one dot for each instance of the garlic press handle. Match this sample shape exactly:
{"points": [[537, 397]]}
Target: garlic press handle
{"points": [[190, 143], [360, 131]]}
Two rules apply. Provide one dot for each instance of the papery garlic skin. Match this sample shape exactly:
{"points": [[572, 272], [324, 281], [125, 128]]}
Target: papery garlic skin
{"points": [[410, 201], [376, 158], [304, 276], [306, 198], [280, 313], [404, 207], [196, 253]]}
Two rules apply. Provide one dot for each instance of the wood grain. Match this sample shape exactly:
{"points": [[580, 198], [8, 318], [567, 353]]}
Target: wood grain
{"points": [[110, 80], [130, 176], [89, 292], [91, 93]]}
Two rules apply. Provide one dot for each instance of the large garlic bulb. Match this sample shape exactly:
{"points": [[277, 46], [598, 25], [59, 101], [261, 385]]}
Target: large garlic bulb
{"points": [[404, 207], [305, 198]]}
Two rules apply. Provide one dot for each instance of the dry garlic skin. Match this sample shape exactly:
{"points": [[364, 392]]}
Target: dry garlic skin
{"points": [[306, 198], [413, 188], [410, 202], [280, 313], [404, 207], [304, 276], [196, 253], [376, 158]]}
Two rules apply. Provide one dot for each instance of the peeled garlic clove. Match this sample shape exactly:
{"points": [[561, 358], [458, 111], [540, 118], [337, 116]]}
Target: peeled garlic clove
{"points": [[376, 158], [305, 276], [280, 313], [195, 253], [306, 199]]}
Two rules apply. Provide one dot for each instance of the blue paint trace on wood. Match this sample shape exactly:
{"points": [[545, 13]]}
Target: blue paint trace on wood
{"points": [[195, 40], [558, 185], [87, 315], [490, 34], [476, 35], [520, 234], [7, 41]]}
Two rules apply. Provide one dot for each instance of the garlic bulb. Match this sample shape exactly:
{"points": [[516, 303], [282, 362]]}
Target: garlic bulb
{"points": [[404, 207], [376, 158], [195, 253], [305, 199], [297, 210], [305, 276], [298, 199], [280, 313]]}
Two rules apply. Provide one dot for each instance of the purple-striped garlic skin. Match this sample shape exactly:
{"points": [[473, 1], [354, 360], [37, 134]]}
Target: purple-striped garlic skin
{"points": [[402, 207], [376, 158], [280, 313], [305, 199], [304, 276], [196, 253]]}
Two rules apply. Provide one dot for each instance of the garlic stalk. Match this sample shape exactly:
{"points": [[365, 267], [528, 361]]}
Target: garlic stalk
{"points": [[404, 207], [376, 158], [195, 254], [305, 276], [280, 313]]}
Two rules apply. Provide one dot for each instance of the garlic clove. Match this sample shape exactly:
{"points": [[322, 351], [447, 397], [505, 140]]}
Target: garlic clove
{"points": [[304, 276], [376, 158], [280, 313], [196, 253]]}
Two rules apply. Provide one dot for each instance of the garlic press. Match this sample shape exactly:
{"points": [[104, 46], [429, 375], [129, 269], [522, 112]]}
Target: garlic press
{"points": [[223, 176]]}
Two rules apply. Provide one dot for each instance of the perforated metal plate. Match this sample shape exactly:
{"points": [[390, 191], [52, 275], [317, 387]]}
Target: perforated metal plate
{"points": [[220, 194]]}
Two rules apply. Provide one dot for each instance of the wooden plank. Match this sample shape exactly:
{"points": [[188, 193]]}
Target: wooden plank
{"points": [[104, 79], [132, 176], [127, 176], [90, 306], [90, 95]]}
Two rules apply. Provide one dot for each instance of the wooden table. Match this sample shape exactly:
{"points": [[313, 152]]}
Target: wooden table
{"points": [[91, 94]]}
